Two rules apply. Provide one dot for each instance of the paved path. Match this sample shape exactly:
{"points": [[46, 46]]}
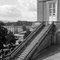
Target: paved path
{"points": [[51, 53]]}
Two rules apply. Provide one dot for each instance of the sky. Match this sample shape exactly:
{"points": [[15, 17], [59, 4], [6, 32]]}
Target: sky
{"points": [[13, 10]]}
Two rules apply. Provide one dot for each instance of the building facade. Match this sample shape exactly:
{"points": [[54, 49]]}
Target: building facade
{"points": [[14, 29], [48, 10]]}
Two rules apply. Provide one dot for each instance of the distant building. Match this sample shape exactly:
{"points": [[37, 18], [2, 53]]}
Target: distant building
{"points": [[14, 29]]}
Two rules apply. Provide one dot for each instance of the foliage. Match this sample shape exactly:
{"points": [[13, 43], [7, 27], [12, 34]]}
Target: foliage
{"points": [[27, 33], [19, 23], [10, 38], [5, 37], [24, 28], [3, 33], [2, 23]]}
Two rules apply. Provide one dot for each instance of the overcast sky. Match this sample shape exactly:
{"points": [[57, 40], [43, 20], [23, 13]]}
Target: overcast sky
{"points": [[13, 10]]}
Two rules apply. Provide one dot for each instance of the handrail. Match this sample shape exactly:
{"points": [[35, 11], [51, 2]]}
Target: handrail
{"points": [[27, 38], [40, 41]]}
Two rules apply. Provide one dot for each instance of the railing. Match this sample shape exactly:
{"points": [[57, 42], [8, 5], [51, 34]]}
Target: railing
{"points": [[43, 43], [18, 48]]}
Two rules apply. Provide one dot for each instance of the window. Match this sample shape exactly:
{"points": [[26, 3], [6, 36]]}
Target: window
{"points": [[51, 9]]}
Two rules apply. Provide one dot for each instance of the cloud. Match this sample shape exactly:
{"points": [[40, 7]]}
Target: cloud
{"points": [[8, 2], [28, 5], [23, 10], [28, 9], [9, 11]]}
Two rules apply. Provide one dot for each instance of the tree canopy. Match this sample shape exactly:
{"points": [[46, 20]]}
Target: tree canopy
{"points": [[11, 38], [5, 37]]}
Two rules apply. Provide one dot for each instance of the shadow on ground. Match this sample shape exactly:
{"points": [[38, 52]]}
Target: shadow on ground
{"points": [[52, 50]]}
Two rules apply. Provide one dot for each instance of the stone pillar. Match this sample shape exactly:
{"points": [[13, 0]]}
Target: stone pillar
{"points": [[40, 10]]}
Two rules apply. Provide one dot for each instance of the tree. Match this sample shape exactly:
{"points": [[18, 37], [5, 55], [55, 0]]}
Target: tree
{"points": [[11, 38], [2, 23], [3, 33], [24, 28], [27, 33], [6, 38]]}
